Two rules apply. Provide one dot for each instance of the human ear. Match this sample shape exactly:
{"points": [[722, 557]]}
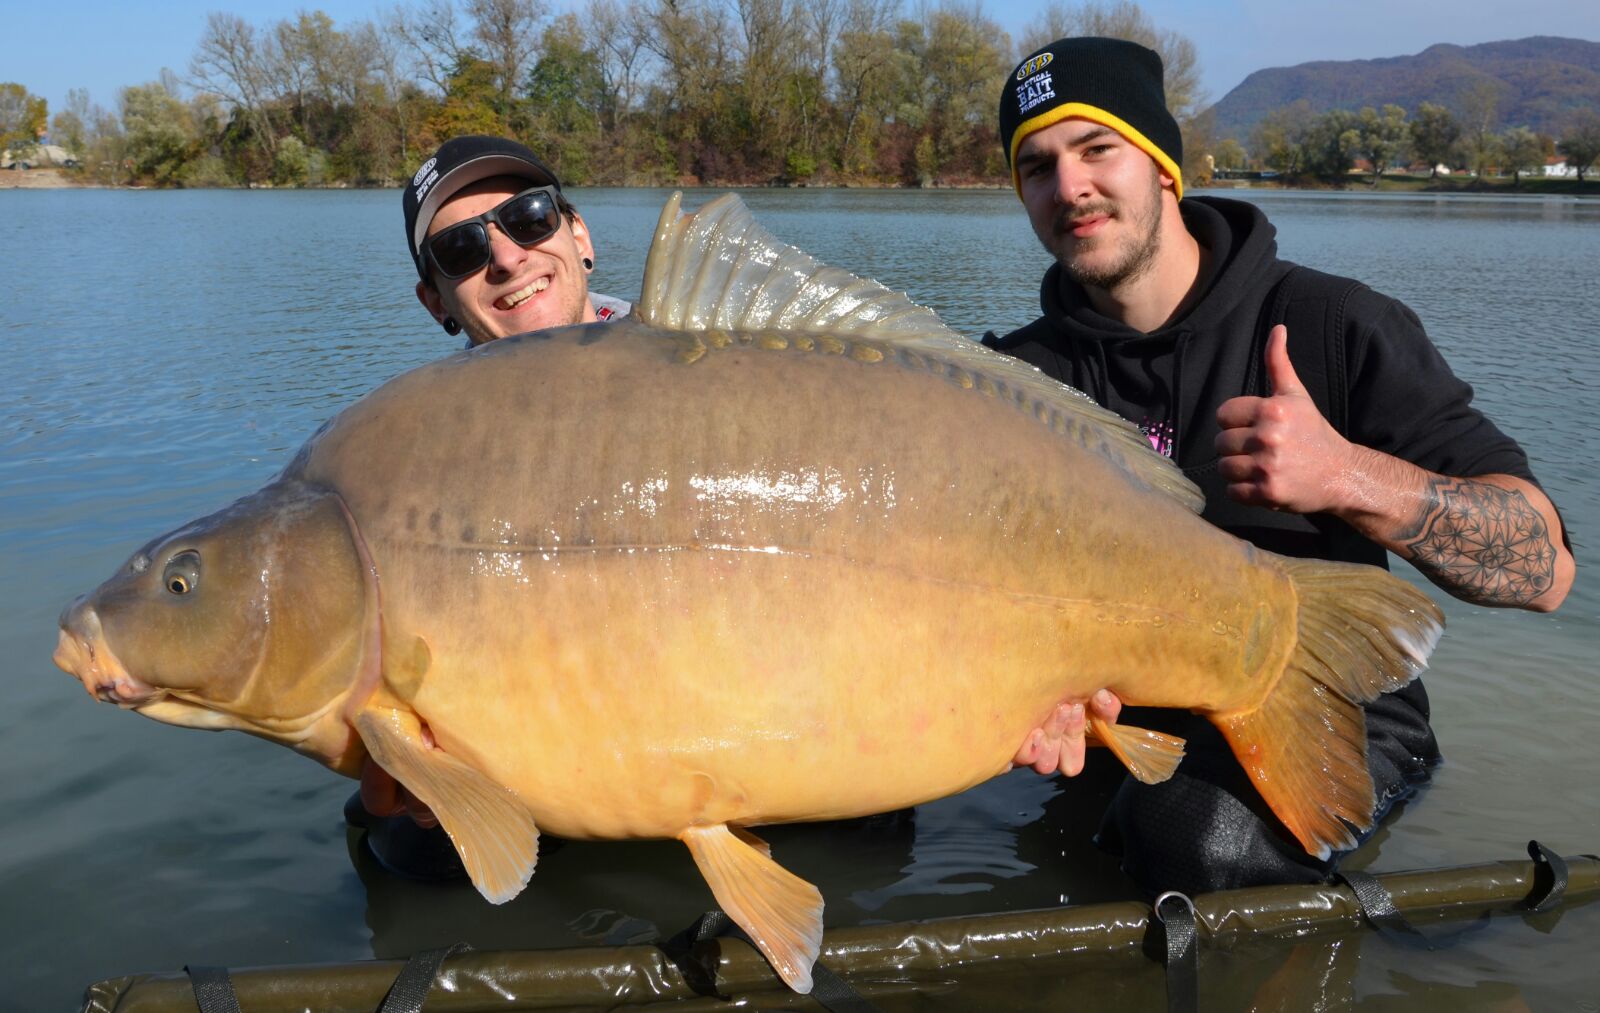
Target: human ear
{"points": [[428, 296]]}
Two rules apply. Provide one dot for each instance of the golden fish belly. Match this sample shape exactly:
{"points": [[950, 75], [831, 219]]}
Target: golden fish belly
{"points": [[768, 584]]}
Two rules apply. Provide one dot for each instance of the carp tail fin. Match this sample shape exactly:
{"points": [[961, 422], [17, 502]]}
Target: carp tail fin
{"points": [[1361, 632], [492, 830], [781, 912]]}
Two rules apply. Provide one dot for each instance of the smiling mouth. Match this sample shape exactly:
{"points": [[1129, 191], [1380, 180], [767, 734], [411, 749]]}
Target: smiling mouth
{"points": [[522, 295]]}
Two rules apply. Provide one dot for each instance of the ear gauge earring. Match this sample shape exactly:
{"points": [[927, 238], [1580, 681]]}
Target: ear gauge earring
{"points": [[451, 327], [588, 265]]}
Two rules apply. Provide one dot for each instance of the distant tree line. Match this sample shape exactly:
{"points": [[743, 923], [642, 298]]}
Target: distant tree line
{"points": [[1295, 142], [620, 92]]}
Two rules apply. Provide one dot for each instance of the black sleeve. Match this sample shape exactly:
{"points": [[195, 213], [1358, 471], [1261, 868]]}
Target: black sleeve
{"points": [[1405, 401]]}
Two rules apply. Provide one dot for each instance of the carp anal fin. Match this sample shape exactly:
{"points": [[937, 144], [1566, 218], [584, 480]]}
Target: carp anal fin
{"points": [[717, 269], [491, 829], [780, 911], [1361, 632], [1150, 757]]}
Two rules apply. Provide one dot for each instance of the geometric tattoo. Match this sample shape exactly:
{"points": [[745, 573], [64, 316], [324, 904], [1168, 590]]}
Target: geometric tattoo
{"points": [[1484, 543]]}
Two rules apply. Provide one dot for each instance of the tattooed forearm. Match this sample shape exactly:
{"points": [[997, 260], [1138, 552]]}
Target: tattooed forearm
{"points": [[1481, 543]]}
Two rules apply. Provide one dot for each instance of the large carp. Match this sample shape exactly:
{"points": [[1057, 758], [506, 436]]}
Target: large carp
{"points": [[781, 547]]}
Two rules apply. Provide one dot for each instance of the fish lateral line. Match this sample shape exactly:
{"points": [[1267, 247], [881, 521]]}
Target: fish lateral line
{"points": [[1117, 612]]}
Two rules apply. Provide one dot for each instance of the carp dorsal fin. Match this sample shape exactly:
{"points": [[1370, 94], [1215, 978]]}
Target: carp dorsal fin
{"points": [[716, 269], [492, 830]]}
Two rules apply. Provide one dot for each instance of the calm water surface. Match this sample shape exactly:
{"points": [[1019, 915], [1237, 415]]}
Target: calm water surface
{"points": [[164, 353]]}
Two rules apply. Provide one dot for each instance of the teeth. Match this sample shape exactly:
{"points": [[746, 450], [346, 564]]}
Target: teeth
{"points": [[520, 296]]}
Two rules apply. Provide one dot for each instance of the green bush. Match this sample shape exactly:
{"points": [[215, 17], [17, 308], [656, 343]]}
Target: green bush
{"points": [[207, 170]]}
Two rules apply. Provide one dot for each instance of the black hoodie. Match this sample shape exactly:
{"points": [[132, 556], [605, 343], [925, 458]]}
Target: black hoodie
{"points": [[1402, 398]]}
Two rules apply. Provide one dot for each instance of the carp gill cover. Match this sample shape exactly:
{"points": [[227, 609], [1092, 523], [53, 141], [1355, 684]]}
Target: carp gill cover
{"points": [[781, 547]]}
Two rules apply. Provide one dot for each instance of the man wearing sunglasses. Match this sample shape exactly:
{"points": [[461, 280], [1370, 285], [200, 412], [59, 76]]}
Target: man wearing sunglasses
{"points": [[498, 249]]}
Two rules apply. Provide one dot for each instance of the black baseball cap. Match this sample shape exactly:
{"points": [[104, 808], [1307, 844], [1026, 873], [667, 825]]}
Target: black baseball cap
{"points": [[460, 162]]}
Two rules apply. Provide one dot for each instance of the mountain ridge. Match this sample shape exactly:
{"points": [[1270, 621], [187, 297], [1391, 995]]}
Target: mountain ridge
{"points": [[1540, 81]]}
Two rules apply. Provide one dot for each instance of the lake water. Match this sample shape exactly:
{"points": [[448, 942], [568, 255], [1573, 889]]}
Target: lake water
{"points": [[165, 352]]}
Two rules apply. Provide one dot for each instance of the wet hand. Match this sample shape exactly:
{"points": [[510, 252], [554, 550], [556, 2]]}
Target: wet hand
{"points": [[1279, 452], [382, 795], [1058, 745]]}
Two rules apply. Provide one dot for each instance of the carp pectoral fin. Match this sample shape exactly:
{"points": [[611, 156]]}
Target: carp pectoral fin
{"points": [[781, 912], [1149, 756], [492, 830]]}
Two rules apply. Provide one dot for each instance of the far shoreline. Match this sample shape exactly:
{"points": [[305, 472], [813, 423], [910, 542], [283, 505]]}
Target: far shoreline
{"points": [[67, 179]]}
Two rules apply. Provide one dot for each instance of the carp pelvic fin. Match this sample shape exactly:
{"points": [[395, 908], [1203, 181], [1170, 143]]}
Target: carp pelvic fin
{"points": [[1361, 632], [490, 827], [781, 912], [1151, 757]]}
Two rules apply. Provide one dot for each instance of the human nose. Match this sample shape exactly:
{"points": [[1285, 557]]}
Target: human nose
{"points": [[505, 256], [1072, 181]]}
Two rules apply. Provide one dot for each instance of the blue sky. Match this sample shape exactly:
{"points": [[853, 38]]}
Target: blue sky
{"points": [[104, 45]]}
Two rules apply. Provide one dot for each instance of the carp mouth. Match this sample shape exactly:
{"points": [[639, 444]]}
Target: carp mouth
{"points": [[81, 651]]}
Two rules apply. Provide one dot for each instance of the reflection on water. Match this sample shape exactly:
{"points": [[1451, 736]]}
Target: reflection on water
{"points": [[167, 352]]}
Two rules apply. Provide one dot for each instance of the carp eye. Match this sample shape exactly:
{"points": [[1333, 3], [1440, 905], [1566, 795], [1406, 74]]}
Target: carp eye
{"points": [[182, 572]]}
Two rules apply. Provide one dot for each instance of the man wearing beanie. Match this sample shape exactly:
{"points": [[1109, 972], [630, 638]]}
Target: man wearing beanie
{"points": [[1343, 435]]}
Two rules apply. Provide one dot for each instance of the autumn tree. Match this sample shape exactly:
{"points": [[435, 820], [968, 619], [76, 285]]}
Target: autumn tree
{"points": [[1331, 142], [618, 38], [160, 136], [1382, 138], [1123, 19], [1522, 151], [1434, 133], [469, 105], [565, 94], [1580, 141], [23, 117], [506, 34], [1479, 111], [1228, 154], [431, 37], [864, 72], [1279, 137]]}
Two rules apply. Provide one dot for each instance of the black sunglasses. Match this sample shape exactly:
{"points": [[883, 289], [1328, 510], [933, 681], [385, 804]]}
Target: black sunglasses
{"points": [[527, 219]]}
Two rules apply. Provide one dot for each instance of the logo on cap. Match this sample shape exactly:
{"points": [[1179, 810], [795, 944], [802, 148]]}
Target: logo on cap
{"points": [[429, 164], [1033, 91], [1035, 65]]}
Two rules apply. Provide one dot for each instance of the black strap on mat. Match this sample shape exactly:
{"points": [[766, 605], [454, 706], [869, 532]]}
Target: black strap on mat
{"points": [[1377, 905], [832, 992], [1174, 912], [1549, 880], [213, 989], [415, 980]]}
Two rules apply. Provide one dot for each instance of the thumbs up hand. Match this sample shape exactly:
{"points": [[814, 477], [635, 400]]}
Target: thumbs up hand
{"points": [[1279, 452]]}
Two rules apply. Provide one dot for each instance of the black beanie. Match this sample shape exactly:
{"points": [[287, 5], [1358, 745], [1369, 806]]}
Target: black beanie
{"points": [[1107, 81]]}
